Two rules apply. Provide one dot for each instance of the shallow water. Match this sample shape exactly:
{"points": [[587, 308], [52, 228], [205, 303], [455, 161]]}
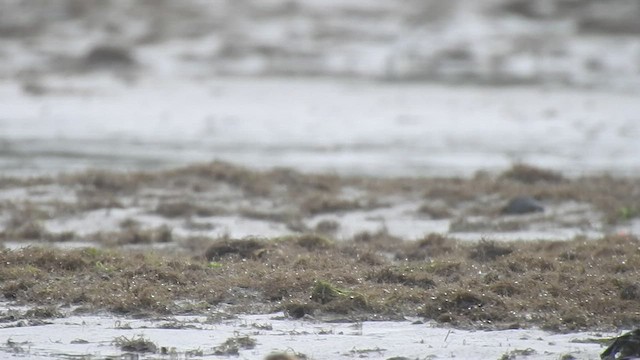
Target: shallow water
{"points": [[196, 337], [348, 127]]}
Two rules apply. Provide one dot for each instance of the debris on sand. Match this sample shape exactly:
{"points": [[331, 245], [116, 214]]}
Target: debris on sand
{"points": [[136, 344], [233, 345]]}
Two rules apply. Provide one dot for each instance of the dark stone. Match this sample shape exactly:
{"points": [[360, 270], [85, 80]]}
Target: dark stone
{"points": [[522, 205], [107, 56]]}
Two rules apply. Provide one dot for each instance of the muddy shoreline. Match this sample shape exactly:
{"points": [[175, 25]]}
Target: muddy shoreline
{"points": [[221, 241], [219, 217]]}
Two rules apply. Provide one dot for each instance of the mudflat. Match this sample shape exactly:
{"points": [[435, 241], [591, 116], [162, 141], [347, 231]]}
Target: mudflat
{"points": [[169, 245]]}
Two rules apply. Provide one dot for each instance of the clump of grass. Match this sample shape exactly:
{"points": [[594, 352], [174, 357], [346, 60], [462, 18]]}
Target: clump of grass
{"points": [[93, 201], [46, 312], [137, 236], [570, 285], [430, 246], [34, 315], [265, 326], [185, 209], [629, 290], [514, 354], [135, 344], [487, 250], [196, 353], [129, 223], [16, 347], [233, 345], [107, 182], [318, 204], [36, 231], [324, 292], [504, 288], [446, 268], [459, 305], [298, 183], [452, 191], [567, 357], [9, 182], [340, 300], [465, 225], [22, 213], [134, 235], [123, 284], [380, 241], [578, 284], [31, 230], [243, 248], [405, 275], [628, 212], [252, 183], [275, 216], [313, 242], [364, 352], [530, 174], [327, 227], [309, 194], [436, 212]]}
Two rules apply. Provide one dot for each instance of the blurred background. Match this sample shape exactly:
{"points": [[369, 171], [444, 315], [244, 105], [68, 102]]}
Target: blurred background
{"points": [[403, 87]]}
